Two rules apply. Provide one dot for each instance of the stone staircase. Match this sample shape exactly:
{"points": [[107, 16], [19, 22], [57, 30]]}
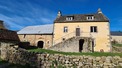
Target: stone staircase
{"points": [[72, 45]]}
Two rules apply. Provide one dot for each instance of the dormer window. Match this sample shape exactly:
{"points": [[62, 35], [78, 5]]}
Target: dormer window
{"points": [[90, 17], [69, 18]]}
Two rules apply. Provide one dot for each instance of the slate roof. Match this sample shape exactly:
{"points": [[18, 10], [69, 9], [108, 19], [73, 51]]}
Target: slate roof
{"points": [[98, 17], [8, 35], [116, 33], [39, 29]]}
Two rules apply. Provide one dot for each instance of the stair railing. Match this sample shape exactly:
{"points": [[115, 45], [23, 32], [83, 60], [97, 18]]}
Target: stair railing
{"points": [[70, 35]]}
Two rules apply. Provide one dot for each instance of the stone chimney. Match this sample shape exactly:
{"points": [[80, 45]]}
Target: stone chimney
{"points": [[99, 11], [59, 14], [1, 25]]}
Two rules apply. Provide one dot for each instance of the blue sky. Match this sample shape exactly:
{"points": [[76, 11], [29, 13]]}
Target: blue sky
{"points": [[21, 13]]}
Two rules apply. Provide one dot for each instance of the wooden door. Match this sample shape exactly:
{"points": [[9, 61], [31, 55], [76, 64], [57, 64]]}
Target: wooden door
{"points": [[77, 31]]}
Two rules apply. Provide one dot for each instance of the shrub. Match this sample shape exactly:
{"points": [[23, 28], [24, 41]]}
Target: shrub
{"points": [[26, 45]]}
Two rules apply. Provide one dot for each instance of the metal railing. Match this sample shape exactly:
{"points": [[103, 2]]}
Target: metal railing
{"points": [[70, 35]]}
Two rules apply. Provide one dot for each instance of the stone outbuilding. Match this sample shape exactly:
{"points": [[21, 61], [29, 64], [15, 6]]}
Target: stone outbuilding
{"points": [[116, 37], [40, 35]]}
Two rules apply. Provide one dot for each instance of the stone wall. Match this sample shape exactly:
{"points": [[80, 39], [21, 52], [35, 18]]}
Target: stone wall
{"points": [[118, 39], [116, 49], [72, 45], [19, 56], [57, 61], [34, 39], [4, 46], [44, 60]]}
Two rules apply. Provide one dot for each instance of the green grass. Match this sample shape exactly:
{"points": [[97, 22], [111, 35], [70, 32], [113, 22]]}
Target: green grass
{"points": [[118, 45], [73, 53]]}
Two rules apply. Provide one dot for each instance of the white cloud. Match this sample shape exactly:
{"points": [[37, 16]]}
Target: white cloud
{"points": [[46, 20], [25, 14], [10, 22]]}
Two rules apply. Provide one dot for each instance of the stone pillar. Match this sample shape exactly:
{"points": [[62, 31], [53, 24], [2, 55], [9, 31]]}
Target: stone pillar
{"points": [[5, 50]]}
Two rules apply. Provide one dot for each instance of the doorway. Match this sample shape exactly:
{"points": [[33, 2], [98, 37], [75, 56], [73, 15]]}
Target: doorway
{"points": [[77, 31], [81, 42], [40, 44]]}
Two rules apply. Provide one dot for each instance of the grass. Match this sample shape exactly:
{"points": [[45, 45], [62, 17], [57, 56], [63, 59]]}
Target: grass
{"points": [[39, 50], [118, 45]]}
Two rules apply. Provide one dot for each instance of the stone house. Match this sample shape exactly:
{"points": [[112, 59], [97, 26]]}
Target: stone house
{"points": [[40, 35], [76, 33], [116, 36], [7, 38], [92, 30]]}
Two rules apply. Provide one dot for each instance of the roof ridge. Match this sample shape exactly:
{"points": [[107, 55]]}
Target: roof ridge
{"points": [[40, 25], [78, 14]]}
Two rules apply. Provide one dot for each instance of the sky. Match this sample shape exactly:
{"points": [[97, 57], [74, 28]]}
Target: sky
{"points": [[18, 14]]}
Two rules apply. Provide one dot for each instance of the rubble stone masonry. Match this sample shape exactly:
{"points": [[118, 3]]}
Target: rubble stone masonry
{"points": [[43, 60]]}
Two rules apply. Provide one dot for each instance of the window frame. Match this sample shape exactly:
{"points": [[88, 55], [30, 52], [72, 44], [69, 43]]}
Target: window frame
{"points": [[70, 18], [90, 17], [93, 29], [65, 29]]}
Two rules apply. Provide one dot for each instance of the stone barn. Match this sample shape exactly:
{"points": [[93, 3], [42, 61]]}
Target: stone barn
{"points": [[40, 35]]}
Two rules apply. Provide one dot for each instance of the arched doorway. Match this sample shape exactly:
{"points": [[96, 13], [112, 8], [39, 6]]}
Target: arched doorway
{"points": [[40, 44], [81, 42]]}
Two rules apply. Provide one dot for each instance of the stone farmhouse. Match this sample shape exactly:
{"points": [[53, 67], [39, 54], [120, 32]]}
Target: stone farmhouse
{"points": [[71, 33]]}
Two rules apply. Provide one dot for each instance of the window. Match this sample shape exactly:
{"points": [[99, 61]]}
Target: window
{"points": [[69, 18], [48, 43], [65, 29], [93, 29], [90, 17]]}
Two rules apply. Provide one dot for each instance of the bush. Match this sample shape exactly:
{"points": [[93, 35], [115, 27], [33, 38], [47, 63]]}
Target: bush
{"points": [[26, 45], [114, 42]]}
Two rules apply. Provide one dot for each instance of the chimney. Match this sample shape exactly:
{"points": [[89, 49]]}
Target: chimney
{"points": [[1, 25], [99, 11], [59, 14]]}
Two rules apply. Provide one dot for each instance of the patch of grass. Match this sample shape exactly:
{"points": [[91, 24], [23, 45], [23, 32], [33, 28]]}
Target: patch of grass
{"points": [[119, 45], [39, 50]]}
